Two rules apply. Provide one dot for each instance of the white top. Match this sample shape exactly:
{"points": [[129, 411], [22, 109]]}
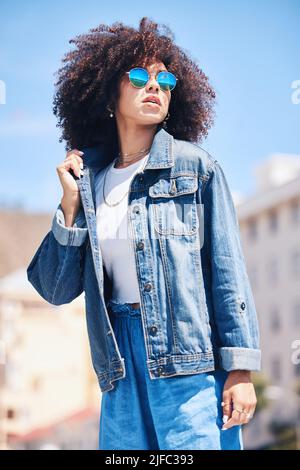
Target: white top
{"points": [[113, 234]]}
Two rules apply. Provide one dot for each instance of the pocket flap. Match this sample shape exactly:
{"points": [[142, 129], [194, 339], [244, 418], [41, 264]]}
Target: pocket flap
{"points": [[174, 187]]}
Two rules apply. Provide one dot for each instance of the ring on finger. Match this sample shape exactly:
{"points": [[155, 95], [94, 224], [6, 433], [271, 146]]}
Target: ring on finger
{"points": [[248, 415], [240, 411], [225, 403]]}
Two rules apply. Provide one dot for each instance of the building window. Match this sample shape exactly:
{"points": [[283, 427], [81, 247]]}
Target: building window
{"points": [[273, 271], [252, 229], [273, 221], [10, 413], [295, 212], [276, 369], [2, 375], [275, 320], [296, 315], [295, 260], [297, 370]]}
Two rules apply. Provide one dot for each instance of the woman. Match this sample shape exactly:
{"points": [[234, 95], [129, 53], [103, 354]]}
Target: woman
{"points": [[147, 229]]}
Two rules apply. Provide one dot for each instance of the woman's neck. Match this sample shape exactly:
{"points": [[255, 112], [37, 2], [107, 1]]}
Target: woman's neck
{"points": [[133, 140], [121, 164]]}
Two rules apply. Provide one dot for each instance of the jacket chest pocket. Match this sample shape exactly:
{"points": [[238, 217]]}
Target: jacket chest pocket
{"points": [[173, 205]]}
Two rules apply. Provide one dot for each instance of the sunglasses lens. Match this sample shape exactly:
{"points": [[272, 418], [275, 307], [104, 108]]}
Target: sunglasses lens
{"points": [[166, 80], [138, 77]]}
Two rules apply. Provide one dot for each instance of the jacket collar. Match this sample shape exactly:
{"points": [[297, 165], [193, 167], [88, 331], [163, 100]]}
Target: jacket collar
{"points": [[161, 153]]}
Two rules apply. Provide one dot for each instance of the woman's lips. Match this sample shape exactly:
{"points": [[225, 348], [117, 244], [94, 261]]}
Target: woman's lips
{"points": [[150, 102]]}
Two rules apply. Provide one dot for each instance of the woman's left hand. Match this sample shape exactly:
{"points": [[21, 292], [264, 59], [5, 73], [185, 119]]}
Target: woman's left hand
{"points": [[239, 398]]}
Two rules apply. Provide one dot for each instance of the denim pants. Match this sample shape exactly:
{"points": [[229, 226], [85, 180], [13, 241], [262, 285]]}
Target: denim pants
{"points": [[178, 412]]}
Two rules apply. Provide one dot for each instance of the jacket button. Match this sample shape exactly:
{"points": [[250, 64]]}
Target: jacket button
{"points": [[148, 287], [160, 370], [136, 209], [173, 187], [141, 179], [140, 245], [243, 305], [153, 330]]}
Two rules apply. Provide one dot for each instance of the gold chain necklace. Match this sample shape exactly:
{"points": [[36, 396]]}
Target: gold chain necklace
{"points": [[132, 154]]}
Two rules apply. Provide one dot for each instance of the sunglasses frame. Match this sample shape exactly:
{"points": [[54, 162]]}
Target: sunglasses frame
{"points": [[162, 71]]}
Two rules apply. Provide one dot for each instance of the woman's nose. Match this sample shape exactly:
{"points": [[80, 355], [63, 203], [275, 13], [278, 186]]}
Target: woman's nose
{"points": [[152, 83]]}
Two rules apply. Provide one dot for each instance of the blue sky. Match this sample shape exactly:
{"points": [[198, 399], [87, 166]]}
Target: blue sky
{"points": [[249, 49]]}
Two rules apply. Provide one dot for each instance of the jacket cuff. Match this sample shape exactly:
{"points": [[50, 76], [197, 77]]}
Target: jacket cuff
{"points": [[67, 236], [232, 358]]}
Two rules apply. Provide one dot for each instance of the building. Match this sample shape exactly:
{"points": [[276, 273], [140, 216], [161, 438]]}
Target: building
{"points": [[46, 372], [270, 231]]}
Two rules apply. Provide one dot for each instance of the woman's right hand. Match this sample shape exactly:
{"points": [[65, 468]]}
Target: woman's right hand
{"points": [[71, 196], [73, 161]]}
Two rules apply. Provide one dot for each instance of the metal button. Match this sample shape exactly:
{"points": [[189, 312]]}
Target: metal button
{"points": [[153, 330], [140, 245], [148, 287], [160, 370], [243, 305], [173, 187], [141, 179]]}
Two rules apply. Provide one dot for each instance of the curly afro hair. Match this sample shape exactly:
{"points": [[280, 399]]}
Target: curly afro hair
{"points": [[89, 82]]}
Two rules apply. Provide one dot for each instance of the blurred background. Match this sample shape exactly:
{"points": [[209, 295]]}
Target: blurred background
{"points": [[49, 395]]}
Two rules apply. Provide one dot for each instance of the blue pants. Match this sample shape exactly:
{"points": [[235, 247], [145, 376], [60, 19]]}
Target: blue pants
{"points": [[178, 412]]}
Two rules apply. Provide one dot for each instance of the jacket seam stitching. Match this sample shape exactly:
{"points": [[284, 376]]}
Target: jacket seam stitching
{"points": [[59, 276], [208, 176]]}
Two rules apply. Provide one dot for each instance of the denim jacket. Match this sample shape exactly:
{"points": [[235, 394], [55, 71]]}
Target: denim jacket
{"points": [[197, 307]]}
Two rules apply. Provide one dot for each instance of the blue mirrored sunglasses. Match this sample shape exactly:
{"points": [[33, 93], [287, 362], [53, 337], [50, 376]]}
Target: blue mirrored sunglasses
{"points": [[139, 78]]}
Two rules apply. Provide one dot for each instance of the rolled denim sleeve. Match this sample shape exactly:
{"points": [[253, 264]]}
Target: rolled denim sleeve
{"points": [[56, 269], [73, 236], [233, 304]]}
